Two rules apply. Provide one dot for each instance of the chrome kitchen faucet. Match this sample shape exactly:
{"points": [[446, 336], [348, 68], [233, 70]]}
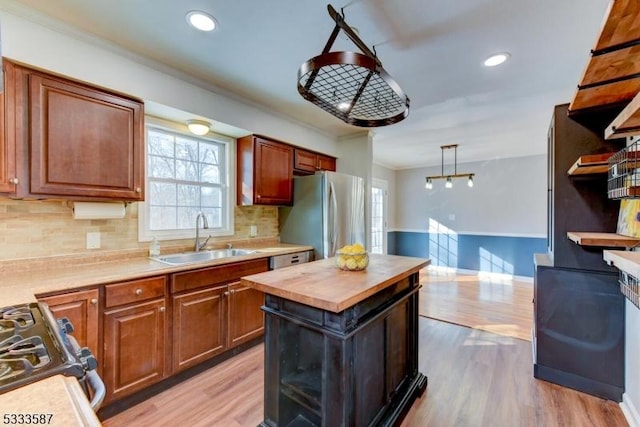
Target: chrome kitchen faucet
{"points": [[205, 224]]}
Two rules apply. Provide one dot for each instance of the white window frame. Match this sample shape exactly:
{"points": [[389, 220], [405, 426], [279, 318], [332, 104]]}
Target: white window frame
{"points": [[146, 235], [384, 186]]}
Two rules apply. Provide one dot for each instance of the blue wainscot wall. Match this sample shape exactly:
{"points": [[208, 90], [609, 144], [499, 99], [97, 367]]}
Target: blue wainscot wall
{"points": [[495, 254]]}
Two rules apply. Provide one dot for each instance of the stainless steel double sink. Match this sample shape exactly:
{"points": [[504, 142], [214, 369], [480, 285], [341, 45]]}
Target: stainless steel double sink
{"points": [[201, 256]]}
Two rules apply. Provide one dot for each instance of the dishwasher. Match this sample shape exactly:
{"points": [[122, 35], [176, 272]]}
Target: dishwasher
{"points": [[281, 261]]}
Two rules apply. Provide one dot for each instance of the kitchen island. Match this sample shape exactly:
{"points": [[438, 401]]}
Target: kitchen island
{"points": [[341, 347]]}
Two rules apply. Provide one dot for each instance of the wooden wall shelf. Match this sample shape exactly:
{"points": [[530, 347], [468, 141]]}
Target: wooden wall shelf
{"points": [[612, 75], [590, 164], [627, 123], [611, 240]]}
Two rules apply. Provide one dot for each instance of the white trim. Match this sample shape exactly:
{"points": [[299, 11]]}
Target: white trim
{"points": [[483, 274], [477, 233], [629, 411], [384, 186]]}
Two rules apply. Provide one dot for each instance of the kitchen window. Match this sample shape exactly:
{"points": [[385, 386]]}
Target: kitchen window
{"points": [[186, 174]]}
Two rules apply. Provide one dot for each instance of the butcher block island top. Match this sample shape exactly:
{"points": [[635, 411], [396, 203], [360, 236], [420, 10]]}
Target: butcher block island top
{"points": [[322, 285]]}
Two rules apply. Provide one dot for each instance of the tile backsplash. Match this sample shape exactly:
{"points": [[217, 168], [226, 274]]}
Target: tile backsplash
{"points": [[32, 229]]}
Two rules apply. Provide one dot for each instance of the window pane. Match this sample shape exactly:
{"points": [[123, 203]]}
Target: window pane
{"points": [[187, 217], [162, 218], [189, 195], [210, 174], [186, 171], [214, 216], [209, 153], [160, 144], [186, 149], [211, 197], [161, 167], [162, 194]]}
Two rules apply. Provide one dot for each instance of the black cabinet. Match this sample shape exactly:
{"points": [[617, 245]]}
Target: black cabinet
{"points": [[577, 203], [579, 330], [358, 367]]}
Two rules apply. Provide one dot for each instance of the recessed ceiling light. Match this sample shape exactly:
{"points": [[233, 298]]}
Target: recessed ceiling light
{"points": [[496, 59], [201, 21]]}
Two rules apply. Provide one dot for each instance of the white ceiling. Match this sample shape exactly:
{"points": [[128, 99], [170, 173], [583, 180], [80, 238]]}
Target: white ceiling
{"points": [[432, 48]]}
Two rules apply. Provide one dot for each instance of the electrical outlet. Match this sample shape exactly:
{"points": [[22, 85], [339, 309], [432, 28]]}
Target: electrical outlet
{"points": [[93, 240], [253, 231]]}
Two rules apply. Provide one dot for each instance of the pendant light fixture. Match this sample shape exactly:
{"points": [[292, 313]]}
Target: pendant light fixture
{"points": [[449, 177], [352, 86]]}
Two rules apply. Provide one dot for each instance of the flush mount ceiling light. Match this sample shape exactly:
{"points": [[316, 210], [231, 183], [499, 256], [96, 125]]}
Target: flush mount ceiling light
{"points": [[201, 20], [352, 86], [449, 177], [198, 127], [496, 59]]}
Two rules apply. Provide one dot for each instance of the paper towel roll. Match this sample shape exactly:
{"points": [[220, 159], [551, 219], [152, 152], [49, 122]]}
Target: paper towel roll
{"points": [[98, 210]]}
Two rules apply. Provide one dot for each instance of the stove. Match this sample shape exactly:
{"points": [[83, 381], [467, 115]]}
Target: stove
{"points": [[34, 345]]}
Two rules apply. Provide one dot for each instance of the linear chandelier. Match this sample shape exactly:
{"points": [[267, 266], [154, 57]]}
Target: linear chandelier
{"points": [[449, 184]]}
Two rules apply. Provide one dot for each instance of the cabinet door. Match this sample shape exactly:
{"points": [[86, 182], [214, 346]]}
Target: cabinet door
{"points": [[8, 175], [81, 308], [134, 348], [305, 161], [246, 319], [326, 163], [273, 173], [198, 327], [84, 142]]}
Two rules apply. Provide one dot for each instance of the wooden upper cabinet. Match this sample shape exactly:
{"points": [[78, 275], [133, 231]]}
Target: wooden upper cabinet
{"points": [[308, 162], [83, 142], [265, 172], [8, 174]]}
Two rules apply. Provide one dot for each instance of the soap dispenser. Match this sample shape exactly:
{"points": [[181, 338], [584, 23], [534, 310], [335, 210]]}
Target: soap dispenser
{"points": [[154, 247]]}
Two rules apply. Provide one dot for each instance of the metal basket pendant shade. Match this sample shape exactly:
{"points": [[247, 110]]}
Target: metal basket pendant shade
{"points": [[352, 86]]}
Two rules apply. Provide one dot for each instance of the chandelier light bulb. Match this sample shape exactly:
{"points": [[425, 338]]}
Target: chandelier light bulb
{"points": [[449, 184]]}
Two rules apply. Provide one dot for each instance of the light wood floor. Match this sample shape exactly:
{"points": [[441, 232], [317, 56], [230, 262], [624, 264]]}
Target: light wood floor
{"points": [[504, 307], [476, 378]]}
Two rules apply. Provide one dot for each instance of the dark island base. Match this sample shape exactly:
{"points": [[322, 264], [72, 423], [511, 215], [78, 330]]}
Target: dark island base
{"points": [[355, 368]]}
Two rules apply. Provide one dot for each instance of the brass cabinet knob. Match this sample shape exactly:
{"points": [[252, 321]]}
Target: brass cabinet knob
{"points": [[94, 301], [14, 181], [162, 309], [225, 293], [138, 190], [138, 291]]}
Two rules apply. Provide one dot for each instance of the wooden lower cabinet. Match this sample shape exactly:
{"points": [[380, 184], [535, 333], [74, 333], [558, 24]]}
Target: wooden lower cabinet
{"points": [[134, 347], [198, 326], [246, 319], [213, 313], [81, 308]]}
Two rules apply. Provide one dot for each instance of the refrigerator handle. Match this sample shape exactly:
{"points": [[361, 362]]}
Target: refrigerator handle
{"points": [[332, 218]]}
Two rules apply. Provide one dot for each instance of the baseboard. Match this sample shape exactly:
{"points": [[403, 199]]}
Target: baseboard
{"points": [[629, 411], [493, 276]]}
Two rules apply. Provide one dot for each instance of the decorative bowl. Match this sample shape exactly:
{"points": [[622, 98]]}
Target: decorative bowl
{"points": [[356, 261]]}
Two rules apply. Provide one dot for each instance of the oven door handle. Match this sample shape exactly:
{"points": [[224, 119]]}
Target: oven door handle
{"points": [[98, 388]]}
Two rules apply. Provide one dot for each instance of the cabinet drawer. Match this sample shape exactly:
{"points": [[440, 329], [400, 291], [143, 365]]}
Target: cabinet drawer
{"points": [[214, 275], [134, 291]]}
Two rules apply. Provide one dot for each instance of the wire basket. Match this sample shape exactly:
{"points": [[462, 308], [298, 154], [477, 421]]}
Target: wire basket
{"points": [[630, 287], [624, 173]]}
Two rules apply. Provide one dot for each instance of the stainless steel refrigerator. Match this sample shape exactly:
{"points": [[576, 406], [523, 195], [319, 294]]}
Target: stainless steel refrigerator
{"points": [[327, 213]]}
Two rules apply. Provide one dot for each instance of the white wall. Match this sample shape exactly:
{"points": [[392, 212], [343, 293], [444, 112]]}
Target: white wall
{"points": [[389, 175], [83, 58], [509, 198]]}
